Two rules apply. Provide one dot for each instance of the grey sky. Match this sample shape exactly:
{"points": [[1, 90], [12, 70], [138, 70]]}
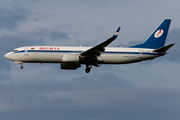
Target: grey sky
{"points": [[148, 90]]}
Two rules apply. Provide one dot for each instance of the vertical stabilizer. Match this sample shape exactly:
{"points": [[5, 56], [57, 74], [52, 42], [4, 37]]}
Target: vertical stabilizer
{"points": [[158, 38]]}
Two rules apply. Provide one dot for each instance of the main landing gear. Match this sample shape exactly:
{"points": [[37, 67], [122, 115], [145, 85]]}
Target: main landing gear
{"points": [[88, 66]]}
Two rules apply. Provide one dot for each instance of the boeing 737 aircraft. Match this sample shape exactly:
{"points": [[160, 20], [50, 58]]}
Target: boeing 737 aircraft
{"points": [[71, 58]]}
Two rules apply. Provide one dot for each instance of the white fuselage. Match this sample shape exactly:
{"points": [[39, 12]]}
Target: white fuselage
{"points": [[54, 54]]}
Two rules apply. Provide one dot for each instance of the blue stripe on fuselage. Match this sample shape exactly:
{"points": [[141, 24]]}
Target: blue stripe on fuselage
{"points": [[106, 52]]}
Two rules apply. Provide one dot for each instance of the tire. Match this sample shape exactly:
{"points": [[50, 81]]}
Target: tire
{"points": [[87, 70], [21, 67]]}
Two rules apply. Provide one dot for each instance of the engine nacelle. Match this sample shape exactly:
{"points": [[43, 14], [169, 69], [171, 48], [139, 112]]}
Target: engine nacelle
{"points": [[70, 66], [70, 58]]}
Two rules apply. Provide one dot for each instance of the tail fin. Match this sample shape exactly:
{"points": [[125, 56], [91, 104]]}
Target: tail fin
{"points": [[158, 38]]}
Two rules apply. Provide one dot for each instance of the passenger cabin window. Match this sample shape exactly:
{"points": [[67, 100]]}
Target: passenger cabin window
{"points": [[14, 50]]}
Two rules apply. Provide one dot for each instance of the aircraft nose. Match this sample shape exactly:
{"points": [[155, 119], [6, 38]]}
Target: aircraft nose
{"points": [[7, 55]]}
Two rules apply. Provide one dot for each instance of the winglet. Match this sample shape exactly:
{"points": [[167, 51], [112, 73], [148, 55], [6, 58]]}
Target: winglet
{"points": [[116, 33]]}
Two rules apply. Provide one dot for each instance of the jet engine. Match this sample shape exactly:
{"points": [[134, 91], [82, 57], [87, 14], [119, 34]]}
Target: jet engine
{"points": [[70, 66]]}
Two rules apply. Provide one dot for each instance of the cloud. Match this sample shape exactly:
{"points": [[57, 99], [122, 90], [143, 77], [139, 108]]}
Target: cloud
{"points": [[32, 38], [46, 92], [174, 37], [11, 18], [80, 103], [13, 41], [56, 35]]}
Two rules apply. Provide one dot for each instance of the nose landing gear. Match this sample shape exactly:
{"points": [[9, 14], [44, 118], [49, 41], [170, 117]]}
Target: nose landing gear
{"points": [[21, 66], [19, 62]]}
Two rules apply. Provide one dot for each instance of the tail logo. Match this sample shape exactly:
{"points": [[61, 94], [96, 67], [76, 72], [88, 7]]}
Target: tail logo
{"points": [[158, 33], [116, 33]]}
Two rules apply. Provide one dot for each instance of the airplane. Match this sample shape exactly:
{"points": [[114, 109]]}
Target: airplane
{"points": [[71, 58]]}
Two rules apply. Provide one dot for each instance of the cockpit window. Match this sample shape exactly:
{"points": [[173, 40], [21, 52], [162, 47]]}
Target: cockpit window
{"points": [[14, 50]]}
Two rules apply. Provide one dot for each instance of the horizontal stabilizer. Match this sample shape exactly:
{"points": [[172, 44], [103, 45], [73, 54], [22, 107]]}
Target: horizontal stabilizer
{"points": [[163, 49]]}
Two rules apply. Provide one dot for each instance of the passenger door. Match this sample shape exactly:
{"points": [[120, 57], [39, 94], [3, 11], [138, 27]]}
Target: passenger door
{"points": [[140, 53], [26, 51]]}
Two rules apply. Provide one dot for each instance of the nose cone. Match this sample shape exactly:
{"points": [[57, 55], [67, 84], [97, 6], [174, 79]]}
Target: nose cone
{"points": [[7, 55]]}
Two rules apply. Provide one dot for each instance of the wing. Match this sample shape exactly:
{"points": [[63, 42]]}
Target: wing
{"points": [[96, 51]]}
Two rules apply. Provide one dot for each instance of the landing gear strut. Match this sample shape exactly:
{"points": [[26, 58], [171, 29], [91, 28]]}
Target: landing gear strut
{"points": [[19, 62], [88, 66]]}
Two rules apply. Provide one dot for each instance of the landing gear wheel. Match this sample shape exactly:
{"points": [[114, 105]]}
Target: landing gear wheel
{"points": [[21, 67], [87, 70]]}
